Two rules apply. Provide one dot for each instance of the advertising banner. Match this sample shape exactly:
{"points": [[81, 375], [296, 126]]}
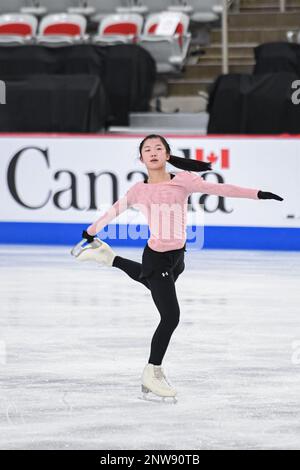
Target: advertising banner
{"points": [[53, 186]]}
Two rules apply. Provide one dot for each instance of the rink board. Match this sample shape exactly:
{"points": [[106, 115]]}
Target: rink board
{"points": [[54, 186]]}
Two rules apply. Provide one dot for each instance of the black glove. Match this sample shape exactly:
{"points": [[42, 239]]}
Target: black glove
{"points": [[266, 195], [89, 237]]}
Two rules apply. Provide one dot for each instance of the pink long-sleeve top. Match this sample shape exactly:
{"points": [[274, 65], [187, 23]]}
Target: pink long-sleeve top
{"points": [[165, 206]]}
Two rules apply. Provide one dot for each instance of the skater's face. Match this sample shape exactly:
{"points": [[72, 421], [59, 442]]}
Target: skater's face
{"points": [[154, 154]]}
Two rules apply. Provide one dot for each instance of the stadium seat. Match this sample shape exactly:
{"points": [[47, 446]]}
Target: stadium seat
{"points": [[156, 6], [61, 29], [17, 28], [119, 28], [166, 37], [105, 8]]}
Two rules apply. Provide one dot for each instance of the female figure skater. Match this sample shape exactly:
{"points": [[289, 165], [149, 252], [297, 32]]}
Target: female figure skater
{"points": [[163, 256]]}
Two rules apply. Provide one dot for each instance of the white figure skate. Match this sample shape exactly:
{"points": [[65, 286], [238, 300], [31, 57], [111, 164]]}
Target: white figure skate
{"points": [[97, 251], [155, 381]]}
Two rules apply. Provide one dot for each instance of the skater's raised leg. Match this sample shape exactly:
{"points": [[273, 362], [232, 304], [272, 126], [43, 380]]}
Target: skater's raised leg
{"points": [[105, 255], [133, 269]]}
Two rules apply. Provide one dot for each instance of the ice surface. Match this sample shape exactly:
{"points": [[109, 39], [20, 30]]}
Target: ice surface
{"points": [[74, 339]]}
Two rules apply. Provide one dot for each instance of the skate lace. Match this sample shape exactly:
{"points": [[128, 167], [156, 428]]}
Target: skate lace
{"points": [[159, 374]]}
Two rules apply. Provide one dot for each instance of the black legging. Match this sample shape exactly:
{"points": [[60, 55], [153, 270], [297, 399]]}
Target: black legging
{"points": [[160, 280]]}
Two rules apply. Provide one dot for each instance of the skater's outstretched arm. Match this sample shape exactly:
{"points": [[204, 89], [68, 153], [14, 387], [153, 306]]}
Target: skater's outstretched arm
{"points": [[197, 184], [116, 209]]}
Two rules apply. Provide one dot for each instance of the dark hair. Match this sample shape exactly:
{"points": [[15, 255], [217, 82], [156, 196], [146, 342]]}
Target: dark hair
{"points": [[179, 162]]}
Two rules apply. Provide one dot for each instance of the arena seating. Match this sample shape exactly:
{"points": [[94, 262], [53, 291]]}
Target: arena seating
{"points": [[165, 35], [61, 29], [119, 28], [203, 11], [161, 29], [167, 38]]}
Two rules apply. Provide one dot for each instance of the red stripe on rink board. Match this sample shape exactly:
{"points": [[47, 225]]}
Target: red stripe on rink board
{"points": [[177, 136]]}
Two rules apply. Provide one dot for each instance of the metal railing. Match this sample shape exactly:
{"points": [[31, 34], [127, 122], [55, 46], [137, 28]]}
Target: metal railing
{"points": [[282, 6], [225, 37]]}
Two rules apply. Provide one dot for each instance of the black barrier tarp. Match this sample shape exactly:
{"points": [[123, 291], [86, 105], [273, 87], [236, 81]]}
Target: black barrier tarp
{"points": [[127, 72], [276, 57], [253, 104], [129, 79], [32, 59]]}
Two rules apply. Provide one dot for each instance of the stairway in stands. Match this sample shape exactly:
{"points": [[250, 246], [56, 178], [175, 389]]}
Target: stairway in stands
{"points": [[257, 21]]}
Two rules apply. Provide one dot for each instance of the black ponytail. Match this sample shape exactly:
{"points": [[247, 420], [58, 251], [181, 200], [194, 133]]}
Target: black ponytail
{"points": [[179, 162]]}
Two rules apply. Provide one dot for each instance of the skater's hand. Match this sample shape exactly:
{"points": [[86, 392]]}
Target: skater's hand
{"points": [[266, 195], [89, 237]]}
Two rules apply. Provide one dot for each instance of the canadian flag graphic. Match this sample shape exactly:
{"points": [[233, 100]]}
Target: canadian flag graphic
{"points": [[212, 157]]}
